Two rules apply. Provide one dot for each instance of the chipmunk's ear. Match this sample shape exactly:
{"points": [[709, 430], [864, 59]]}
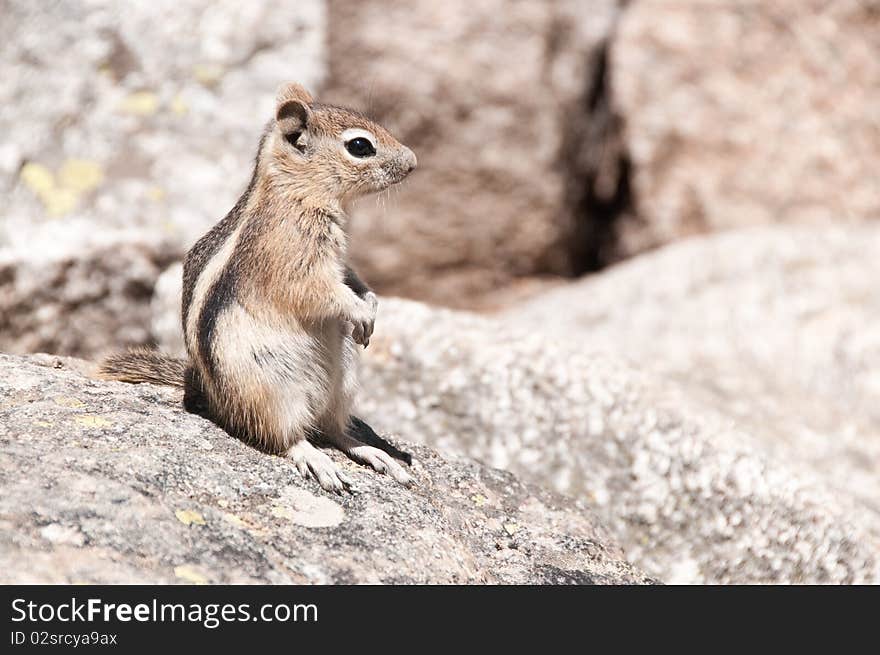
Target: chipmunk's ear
{"points": [[292, 111]]}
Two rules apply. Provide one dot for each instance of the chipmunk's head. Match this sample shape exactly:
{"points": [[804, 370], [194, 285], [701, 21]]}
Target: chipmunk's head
{"points": [[330, 152]]}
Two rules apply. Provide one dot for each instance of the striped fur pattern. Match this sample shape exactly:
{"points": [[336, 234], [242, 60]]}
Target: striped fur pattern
{"points": [[272, 315]]}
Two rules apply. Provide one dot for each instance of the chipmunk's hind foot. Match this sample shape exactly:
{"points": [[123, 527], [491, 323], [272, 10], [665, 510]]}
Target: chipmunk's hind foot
{"points": [[310, 461], [375, 458]]}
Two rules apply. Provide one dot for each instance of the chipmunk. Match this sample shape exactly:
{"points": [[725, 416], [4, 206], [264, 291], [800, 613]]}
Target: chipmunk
{"points": [[271, 312]]}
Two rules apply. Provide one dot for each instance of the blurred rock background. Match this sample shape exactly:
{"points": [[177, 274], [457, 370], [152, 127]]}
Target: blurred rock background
{"points": [[554, 138], [559, 144]]}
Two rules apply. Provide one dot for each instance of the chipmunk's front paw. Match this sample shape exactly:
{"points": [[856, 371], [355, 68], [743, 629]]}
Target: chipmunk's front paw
{"points": [[362, 328]]}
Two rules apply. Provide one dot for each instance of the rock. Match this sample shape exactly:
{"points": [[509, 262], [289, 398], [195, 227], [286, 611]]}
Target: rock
{"points": [[75, 292], [706, 468], [165, 311], [692, 495], [143, 127], [775, 326], [740, 114], [112, 483], [494, 99]]}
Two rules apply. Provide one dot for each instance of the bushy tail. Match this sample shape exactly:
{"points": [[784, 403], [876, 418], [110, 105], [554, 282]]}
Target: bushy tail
{"points": [[145, 366]]}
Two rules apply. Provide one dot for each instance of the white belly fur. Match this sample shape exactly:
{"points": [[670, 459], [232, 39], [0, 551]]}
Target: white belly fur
{"points": [[290, 373]]}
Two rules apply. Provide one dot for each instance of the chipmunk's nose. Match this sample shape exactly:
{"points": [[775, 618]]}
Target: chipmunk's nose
{"points": [[409, 160]]}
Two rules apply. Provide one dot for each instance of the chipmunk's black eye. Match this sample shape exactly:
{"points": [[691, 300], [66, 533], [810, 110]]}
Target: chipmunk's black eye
{"points": [[360, 147]]}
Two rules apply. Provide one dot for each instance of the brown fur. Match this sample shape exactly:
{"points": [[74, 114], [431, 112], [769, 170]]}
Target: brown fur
{"points": [[141, 365], [271, 311]]}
